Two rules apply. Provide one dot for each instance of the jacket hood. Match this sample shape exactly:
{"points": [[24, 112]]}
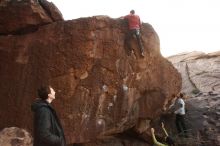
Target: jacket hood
{"points": [[38, 104]]}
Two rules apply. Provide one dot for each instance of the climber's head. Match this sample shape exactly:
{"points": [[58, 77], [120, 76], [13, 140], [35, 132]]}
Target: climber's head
{"points": [[132, 12]]}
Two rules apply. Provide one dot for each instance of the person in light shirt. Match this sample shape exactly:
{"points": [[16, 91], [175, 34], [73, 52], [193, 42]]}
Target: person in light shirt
{"points": [[180, 115]]}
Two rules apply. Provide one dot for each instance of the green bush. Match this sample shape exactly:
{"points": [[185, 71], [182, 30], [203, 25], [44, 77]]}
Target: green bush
{"points": [[195, 91]]}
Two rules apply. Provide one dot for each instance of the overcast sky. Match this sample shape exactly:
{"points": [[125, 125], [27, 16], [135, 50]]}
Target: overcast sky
{"points": [[182, 25]]}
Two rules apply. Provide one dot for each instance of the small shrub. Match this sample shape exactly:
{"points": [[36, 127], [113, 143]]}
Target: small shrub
{"points": [[195, 91]]}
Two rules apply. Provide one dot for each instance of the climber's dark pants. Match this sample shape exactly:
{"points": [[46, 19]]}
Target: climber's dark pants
{"points": [[136, 33], [180, 125]]}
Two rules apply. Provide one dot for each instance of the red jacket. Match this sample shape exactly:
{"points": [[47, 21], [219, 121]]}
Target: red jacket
{"points": [[134, 21]]}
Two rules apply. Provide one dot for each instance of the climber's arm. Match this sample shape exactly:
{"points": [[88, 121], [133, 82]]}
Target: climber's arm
{"points": [[164, 129], [155, 140]]}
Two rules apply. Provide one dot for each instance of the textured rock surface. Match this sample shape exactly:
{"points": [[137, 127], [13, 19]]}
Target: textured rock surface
{"points": [[204, 118], [100, 89], [199, 71], [52, 11], [14, 136], [22, 16]]}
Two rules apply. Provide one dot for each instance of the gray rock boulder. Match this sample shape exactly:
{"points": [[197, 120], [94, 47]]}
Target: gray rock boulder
{"points": [[200, 72]]}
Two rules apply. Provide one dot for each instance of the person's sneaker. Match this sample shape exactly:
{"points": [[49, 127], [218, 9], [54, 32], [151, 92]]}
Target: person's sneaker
{"points": [[142, 54]]}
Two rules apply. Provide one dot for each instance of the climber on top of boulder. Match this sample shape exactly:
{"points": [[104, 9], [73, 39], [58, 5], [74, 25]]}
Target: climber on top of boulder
{"points": [[134, 24]]}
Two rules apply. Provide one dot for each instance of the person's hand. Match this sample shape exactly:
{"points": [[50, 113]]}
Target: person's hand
{"points": [[162, 125], [152, 130], [178, 95]]}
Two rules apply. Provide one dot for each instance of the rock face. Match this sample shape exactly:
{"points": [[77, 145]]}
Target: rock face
{"points": [[22, 16], [14, 136], [200, 72], [204, 118], [201, 81], [100, 89]]}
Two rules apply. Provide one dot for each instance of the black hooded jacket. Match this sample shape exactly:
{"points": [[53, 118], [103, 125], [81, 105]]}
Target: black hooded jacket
{"points": [[47, 128]]}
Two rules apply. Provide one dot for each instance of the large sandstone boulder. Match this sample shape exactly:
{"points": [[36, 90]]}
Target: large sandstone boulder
{"points": [[100, 89], [22, 16]]}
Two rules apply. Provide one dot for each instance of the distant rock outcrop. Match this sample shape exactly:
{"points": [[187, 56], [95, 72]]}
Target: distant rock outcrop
{"points": [[200, 72], [100, 89]]}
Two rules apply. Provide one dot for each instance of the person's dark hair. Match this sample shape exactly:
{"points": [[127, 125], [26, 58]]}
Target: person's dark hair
{"points": [[132, 11], [43, 92], [170, 141]]}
